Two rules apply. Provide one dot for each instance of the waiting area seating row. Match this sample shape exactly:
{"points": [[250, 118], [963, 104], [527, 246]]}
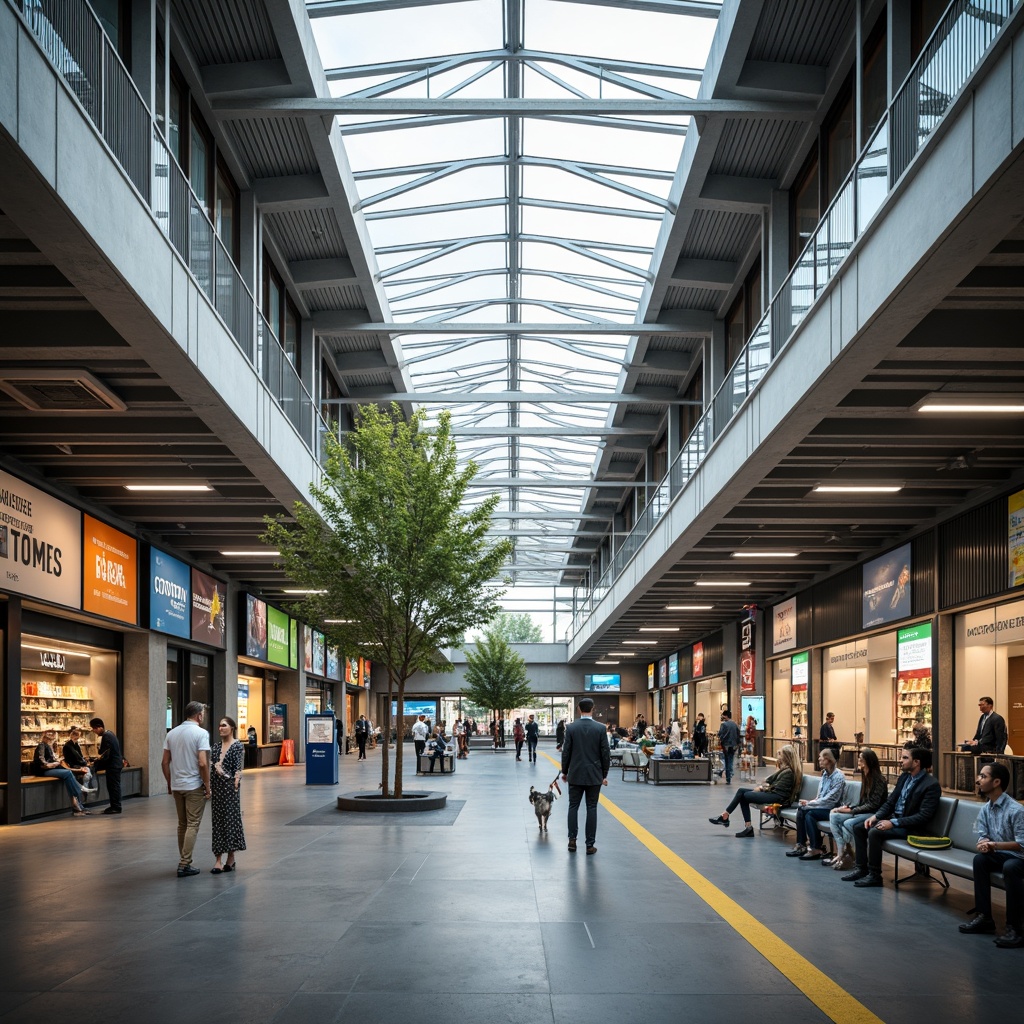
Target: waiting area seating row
{"points": [[954, 818]]}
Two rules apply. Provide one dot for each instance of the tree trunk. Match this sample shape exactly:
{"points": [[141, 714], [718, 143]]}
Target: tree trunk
{"points": [[384, 758], [399, 745]]}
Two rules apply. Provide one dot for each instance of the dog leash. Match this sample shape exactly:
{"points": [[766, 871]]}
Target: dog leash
{"points": [[555, 785]]}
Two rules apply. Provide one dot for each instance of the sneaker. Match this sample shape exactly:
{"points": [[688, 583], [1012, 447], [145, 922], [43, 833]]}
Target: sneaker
{"points": [[1010, 939], [720, 820], [798, 851], [184, 870]]}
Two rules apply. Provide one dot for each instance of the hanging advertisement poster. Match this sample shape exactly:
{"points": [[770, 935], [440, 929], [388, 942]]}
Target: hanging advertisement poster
{"points": [[698, 660], [748, 655], [110, 572], [673, 668], [364, 673], [255, 627], [319, 654], [886, 587], [40, 544], [784, 626], [307, 648], [663, 672], [277, 637], [208, 617], [293, 643], [277, 722], [169, 597], [333, 663], [650, 676], [1016, 538], [243, 708], [801, 670]]}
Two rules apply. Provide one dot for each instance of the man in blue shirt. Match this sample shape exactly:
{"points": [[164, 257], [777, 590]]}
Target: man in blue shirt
{"points": [[1000, 848], [908, 810], [729, 740], [810, 812]]}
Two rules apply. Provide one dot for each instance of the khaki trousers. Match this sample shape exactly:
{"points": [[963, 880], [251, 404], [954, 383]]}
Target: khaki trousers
{"points": [[190, 805]]}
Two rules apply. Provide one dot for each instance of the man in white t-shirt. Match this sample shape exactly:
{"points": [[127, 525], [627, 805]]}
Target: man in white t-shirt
{"points": [[186, 767], [419, 737]]}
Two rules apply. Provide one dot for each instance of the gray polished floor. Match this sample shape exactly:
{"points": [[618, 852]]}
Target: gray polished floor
{"points": [[475, 918]]}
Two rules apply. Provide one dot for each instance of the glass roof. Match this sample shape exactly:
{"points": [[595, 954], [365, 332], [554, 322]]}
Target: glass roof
{"points": [[494, 220]]}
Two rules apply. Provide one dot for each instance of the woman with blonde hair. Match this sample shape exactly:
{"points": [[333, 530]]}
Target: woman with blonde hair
{"points": [[779, 788]]}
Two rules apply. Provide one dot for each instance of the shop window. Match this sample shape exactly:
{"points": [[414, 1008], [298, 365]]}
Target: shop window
{"points": [[175, 706], [874, 81], [226, 203], [840, 143], [200, 668], [924, 16], [804, 207]]}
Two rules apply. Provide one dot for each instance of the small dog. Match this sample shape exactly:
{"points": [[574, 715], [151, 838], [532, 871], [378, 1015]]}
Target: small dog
{"points": [[542, 806]]}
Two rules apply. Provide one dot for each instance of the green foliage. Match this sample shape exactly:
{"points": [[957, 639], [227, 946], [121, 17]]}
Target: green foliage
{"points": [[516, 628], [397, 562], [496, 676]]}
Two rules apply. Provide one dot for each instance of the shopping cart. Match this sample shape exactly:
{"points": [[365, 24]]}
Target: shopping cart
{"points": [[716, 758]]}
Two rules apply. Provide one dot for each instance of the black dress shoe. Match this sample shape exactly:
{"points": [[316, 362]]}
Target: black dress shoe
{"points": [[591, 850], [720, 820], [572, 845], [1010, 939], [747, 833], [812, 854], [112, 810], [856, 875], [869, 881], [186, 870], [980, 925], [798, 851]]}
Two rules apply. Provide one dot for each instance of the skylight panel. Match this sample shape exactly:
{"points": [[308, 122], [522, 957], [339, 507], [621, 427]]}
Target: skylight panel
{"points": [[473, 255], [427, 143], [574, 224], [429, 226], [600, 144], [459, 186]]}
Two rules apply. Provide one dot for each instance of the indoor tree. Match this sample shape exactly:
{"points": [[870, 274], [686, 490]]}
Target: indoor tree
{"points": [[515, 628], [397, 569], [496, 676]]}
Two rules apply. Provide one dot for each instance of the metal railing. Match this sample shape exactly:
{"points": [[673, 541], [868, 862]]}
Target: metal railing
{"points": [[949, 58], [72, 37]]}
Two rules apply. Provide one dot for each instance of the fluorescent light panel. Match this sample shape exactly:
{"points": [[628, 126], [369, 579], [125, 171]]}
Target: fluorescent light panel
{"points": [[857, 488], [764, 554], [689, 607], [169, 488], [606, 663], [641, 643], [971, 403], [295, 590], [659, 629], [623, 654], [261, 553], [721, 583]]}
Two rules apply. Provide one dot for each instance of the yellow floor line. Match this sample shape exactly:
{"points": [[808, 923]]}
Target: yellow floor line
{"points": [[832, 999]]}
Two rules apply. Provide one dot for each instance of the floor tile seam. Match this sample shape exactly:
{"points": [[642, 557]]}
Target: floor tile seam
{"points": [[808, 979]]}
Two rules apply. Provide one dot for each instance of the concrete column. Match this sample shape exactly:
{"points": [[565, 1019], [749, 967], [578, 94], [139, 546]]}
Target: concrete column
{"points": [[145, 706], [777, 242], [143, 48], [899, 42], [674, 433], [308, 360]]}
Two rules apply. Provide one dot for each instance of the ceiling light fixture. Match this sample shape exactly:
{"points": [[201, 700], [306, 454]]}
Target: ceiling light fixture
{"points": [[688, 607], [641, 643], [721, 583], [295, 590], [968, 403], [659, 629], [606, 663], [765, 554], [169, 488], [622, 654], [857, 488], [339, 622], [261, 553]]}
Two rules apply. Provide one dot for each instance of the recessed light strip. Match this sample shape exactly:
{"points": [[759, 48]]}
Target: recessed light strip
{"points": [[169, 488], [261, 553]]}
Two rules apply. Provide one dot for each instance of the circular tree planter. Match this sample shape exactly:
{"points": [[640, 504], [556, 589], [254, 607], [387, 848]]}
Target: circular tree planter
{"points": [[410, 802]]}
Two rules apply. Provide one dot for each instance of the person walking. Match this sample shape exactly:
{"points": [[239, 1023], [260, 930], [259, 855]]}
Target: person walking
{"points": [[729, 740], [226, 804], [700, 737], [362, 734], [110, 760], [532, 736], [560, 734], [586, 758], [186, 767], [419, 737], [519, 736]]}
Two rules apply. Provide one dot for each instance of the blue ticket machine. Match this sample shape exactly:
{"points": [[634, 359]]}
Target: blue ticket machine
{"points": [[321, 750]]}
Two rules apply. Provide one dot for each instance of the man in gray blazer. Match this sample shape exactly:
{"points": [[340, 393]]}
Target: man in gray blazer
{"points": [[586, 757]]}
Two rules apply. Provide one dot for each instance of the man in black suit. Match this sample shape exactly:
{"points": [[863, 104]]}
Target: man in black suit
{"points": [[111, 760], [990, 737], [907, 811], [586, 758]]}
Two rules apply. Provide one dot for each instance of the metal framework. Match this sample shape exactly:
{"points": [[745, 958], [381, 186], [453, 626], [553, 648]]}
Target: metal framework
{"points": [[513, 193]]}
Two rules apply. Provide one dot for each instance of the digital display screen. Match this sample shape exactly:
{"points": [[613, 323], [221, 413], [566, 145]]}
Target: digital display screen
{"points": [[604, 683]]}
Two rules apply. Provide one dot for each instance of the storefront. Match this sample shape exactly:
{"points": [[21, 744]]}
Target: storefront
{"points": [[268, 681]]}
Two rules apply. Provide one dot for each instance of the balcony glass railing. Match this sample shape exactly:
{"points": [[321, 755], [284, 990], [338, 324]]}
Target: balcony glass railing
{"points": [[954, 51], [73, 39]]}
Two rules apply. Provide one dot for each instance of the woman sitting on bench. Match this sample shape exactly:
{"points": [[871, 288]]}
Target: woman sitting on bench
{"points": [[779, 788], [46, 762]]}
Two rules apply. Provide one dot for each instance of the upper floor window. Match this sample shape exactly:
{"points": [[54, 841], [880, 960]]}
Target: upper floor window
{"points": [[804, 207], [924, 16], [280, 313], [874, 81], [839, 143], [744, 315], [115, 18]]}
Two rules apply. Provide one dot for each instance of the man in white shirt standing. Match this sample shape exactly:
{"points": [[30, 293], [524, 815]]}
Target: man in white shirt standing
{"points": [[419, 738], [186, 767]]}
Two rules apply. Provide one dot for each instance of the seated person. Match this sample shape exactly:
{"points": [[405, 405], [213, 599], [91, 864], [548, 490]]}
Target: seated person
{"points": [[1000, 848], [74, 760], [908, 810], [46, 762], [830, 795], [873, 791], [438, 749], [648, 742], [779, 788]]}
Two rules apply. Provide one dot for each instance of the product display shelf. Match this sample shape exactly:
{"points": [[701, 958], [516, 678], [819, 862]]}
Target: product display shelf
{"points": [[800, 712], [49, 705], [913, 704]]}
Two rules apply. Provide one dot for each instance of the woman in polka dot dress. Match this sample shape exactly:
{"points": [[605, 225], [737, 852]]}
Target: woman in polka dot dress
{"points": [[226, 776]]}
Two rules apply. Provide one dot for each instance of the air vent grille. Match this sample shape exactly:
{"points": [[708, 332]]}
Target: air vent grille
{"points": [[59, 390]]}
